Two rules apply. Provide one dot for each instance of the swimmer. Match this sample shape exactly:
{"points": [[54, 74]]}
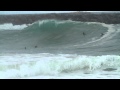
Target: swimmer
{"points": [[102, 34], [35, 46], [84, 34]]}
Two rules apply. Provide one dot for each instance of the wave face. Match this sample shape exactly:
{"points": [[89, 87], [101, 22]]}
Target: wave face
{"points": [[54, 36]]}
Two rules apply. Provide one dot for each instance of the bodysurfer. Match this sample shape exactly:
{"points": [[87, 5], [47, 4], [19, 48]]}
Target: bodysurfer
{"points": [[35, 46], [102, 34], [84, 34]]}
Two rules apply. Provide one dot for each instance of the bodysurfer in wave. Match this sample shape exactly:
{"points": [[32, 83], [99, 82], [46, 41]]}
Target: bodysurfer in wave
{"points": [[35, 46], [84, 34], [102, 34]]}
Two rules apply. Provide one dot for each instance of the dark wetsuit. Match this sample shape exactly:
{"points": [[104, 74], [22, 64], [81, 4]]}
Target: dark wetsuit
{"points": [[84, 34], [35, 46], [102, 34]]}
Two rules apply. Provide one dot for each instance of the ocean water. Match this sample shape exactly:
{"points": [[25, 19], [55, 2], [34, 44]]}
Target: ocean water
{"points": [[60, 49]]}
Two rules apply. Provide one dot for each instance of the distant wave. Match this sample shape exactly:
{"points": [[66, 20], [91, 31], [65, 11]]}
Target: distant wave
{"points": [[10, 26]]}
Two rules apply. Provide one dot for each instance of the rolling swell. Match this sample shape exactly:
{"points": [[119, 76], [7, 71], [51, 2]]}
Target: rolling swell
{"points": [[57, 36]]}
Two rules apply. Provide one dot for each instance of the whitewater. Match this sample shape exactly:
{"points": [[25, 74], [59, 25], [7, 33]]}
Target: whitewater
{"points": [[60, 49]]}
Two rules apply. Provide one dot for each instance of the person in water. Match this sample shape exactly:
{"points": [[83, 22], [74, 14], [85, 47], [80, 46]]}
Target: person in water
{"points": [[35, 46], [84, 34], [102, 34], [25, 48]]}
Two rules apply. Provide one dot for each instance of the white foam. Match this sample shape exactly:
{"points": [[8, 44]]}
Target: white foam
{"points": [[34, 65], [10, 26]]}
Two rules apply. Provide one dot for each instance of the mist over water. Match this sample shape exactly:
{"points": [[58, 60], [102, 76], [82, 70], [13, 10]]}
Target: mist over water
{"points": [[59, 47]]}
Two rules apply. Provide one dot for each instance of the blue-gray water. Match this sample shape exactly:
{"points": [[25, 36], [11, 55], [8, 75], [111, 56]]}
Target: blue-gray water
{"points": [[53, 36], [60, 49]]}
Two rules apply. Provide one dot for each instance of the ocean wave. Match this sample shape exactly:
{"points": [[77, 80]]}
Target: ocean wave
{"points": [[63, 36], [10, 26]]}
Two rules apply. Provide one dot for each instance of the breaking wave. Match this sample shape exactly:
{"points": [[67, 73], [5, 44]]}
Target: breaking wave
{"points": [[71, 46], [10, 26], [49, 64], [55, 36]]}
